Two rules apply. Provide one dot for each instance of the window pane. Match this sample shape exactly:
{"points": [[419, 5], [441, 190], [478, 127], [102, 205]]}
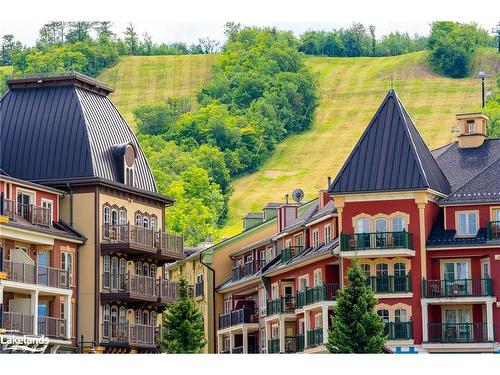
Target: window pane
{"points": [[382, 269], [462, 224], [362, 226], [472, 223], [381, 225]]}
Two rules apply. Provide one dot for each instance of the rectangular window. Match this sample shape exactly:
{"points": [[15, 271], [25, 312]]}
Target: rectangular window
{"points": [[318, 320], [299, 240], [456, 270], [303, 283], [227, 305], [288, 243], [24, 249], [467, 223], [67, 265], [302, 326], [328, 233], [318, 280], [227, 343], [496, 214], [274, 291], [262, 256], [275, 331], [471, 127], [316, 238], [48, 205], [398, 224]]}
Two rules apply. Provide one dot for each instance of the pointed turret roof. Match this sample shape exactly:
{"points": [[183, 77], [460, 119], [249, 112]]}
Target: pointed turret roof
{"points": [[390, 155]]}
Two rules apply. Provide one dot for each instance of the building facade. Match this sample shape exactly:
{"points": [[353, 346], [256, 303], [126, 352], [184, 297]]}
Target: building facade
{"points": [[109, 196], [39, 263]]}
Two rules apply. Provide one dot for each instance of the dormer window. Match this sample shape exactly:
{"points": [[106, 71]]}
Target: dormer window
{"points": [[467, 223], [471, 127], [128, 164]]}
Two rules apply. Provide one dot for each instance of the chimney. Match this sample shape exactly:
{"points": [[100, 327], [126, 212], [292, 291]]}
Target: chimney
{"points": [[286, 214], [324, 197], [472, 129]]}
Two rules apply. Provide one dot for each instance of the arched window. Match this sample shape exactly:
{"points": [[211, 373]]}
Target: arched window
{"points": [[384, 314], [105, 318], [154, 224], [123, 273], [366, 269], [114, 320], [401, 282], [114, 273], [145, 317], [106, 219], [138, 220], [138, 268], [145, 222], [400, 315], [381, 225], [382, 279], [152, 318], [145, 269], [106, 269], [122, 217], [362, 225], [122, 316], [152, 270], [138, 317], [114, 217]]}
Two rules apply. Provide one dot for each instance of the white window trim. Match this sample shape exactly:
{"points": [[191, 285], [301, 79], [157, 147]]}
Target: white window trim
{"points": [[45, 200], [457, 223], [328, 238], [303, 277], [316, 272], [315, 232]]}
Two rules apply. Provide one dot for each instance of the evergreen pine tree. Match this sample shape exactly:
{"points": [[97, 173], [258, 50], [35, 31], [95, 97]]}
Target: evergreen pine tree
{"points": [[356, 327], [183, 324]]}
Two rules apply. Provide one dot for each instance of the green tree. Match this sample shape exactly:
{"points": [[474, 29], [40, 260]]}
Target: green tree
{"points": [[356, 327], [182, 324], [131, 39]]}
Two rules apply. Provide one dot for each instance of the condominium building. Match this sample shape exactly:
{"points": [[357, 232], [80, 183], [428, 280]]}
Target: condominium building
{"points": [[423, 225], [63, 132], [39, 264]]}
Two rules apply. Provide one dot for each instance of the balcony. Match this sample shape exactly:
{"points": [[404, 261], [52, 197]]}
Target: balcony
{"points": [[198, 289], [236, 317], [390, 284], [457, 288], [36, 274], [170, 246], [459, 333], [281, 305], [248, 269], [273, 346], [28, 212], [129, 287], [321, 293], [128, 238], [22, 324], [376, 244], [300, 343], [398, 330], [315, 337], [167, 291], [130, 335], [290, 252], [494, 231]]}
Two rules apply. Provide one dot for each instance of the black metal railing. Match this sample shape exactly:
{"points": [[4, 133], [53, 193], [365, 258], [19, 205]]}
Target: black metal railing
{"points": [[457, 288], [300, 343], [390, 284], [378, 240], [315, 337], [240, 316], [290, 344], [281, 305], [320, 293], [289, 252], [457, 332], [398, 330], [273, 346]]}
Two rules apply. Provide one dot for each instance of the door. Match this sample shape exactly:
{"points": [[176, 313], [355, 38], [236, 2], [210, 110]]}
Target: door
{"points": [[458, 325], [381, 233], [43, 259], [289, 299], [362, 238], [23, 205], [114, 273], [43, 311], [456, 275]]}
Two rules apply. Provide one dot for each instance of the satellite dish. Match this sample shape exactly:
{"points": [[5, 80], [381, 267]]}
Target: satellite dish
{"points": [[298, 195]]}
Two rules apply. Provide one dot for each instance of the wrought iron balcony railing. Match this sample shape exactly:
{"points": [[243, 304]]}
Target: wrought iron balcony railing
{"points": [[457, 288], [494, 230], [376, 241], [390, 284], [324, 292], [399, 330], [281, 305], [457, 332], [315, 337]]}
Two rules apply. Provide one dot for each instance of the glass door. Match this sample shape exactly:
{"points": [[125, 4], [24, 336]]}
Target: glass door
{"points": [[42, 260], [458, 325], [456, 275], [23, 205], [362, 238]]}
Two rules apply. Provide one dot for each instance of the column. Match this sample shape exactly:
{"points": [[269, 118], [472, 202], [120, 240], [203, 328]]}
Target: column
{"points": [[231, 342], [325, 324], [1, 294], [268, 335], [307, 321], [282, 335], [67, 314], [245, 340], [34, 310], [219, 342], [425, 318], [489, 320]]}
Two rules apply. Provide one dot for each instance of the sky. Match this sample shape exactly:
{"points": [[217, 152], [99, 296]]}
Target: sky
{"points": [[188, 20]]}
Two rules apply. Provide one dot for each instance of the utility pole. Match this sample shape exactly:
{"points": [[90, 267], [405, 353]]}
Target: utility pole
{"points": [[481, 75], [496, 31]]}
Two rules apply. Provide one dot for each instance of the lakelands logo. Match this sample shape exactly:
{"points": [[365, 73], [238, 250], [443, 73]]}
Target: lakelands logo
{"points": [[23, 340]]}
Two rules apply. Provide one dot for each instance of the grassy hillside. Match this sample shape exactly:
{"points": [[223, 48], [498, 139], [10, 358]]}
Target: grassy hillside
{"points": [[144, 79], [350, 91]]}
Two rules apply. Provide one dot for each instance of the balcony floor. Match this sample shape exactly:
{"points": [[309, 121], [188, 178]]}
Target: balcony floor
{"points": [[373, 253], [479, 347]]}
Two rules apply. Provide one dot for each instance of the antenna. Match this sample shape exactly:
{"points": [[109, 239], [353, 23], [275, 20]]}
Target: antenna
{"points": [[298, 195]]}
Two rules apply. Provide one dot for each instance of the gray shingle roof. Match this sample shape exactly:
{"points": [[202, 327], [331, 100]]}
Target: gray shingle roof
{"points": [[473, 173], [390, 155], [64, 128]]}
